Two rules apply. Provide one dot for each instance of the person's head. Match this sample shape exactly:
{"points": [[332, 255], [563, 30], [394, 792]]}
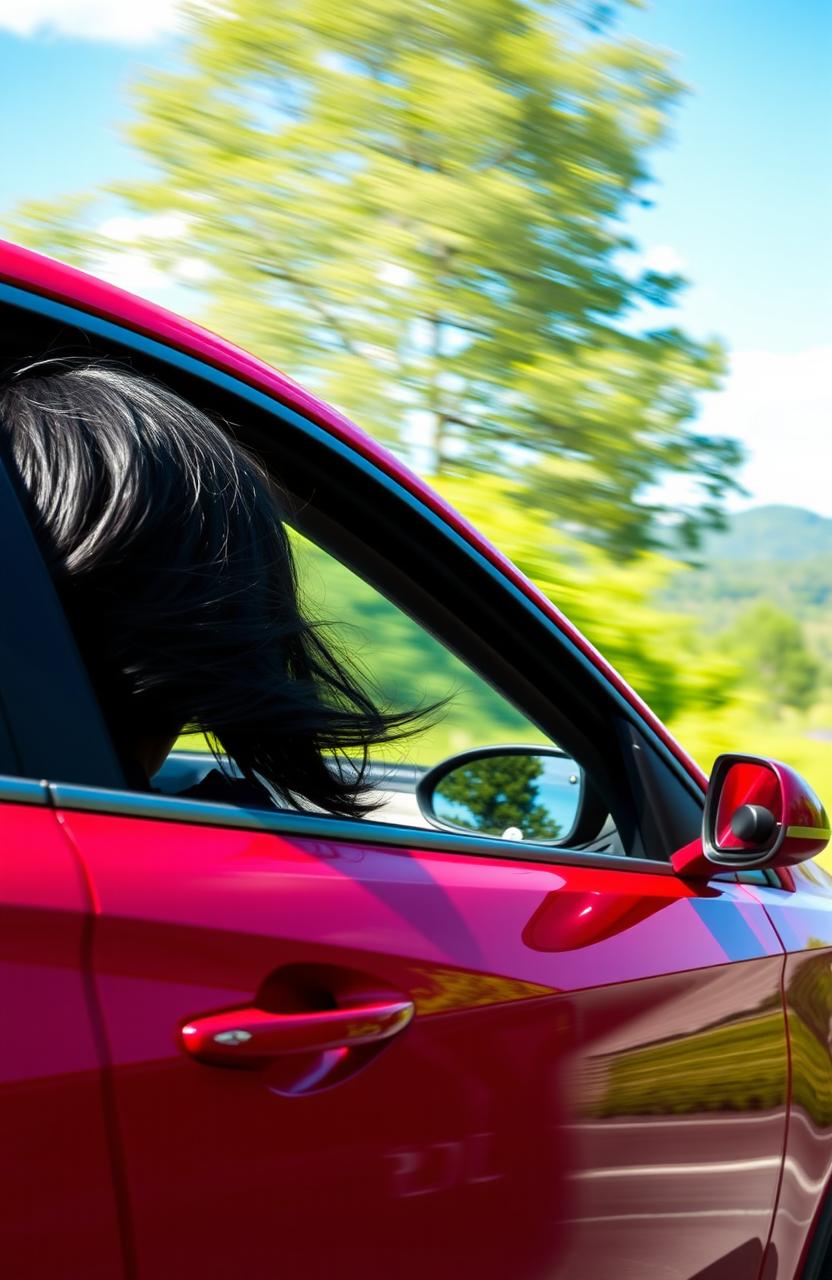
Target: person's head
{"points": [[165, 540]]}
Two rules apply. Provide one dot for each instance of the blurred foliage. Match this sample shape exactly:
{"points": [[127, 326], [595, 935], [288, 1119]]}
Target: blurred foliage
{"points": [[403, 663], [724, 586], [419, 210], [664, 656], [667, 658], [772, 648]]}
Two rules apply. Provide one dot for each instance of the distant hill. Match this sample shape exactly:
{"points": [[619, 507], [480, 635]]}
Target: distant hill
{"points": [[777, 553], [772, 533]]}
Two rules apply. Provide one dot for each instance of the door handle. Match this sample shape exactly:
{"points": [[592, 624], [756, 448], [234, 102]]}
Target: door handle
{"points": [[249, 1037]]}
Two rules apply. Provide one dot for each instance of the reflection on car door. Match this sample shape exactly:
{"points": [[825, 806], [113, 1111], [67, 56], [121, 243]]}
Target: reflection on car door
{"points": [[592, 1083]]}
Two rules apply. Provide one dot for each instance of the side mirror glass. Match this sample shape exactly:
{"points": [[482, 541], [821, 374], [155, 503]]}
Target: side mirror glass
{"points": [[518, 793], [760, 813]]}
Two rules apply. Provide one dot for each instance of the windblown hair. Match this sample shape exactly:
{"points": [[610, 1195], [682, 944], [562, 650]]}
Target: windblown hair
{"points": [[166, 542]]}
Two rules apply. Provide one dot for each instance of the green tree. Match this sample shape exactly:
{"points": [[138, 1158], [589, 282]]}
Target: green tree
{"points": [[772, 648], [664, 655], [419, 209], [499, 792]]}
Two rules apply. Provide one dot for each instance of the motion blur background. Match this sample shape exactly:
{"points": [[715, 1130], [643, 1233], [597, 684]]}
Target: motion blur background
{"points": [[572, 261]]}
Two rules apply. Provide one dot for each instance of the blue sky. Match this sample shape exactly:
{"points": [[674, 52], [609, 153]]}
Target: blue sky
{"points": [[743, 199], [746, 188]]}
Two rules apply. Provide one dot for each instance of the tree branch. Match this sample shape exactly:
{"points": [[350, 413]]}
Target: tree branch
{"points": [[309, 291]]}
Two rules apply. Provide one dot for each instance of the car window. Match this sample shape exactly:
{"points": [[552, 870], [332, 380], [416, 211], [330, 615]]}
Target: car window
{"points": [[405, 667], [409, 668]]}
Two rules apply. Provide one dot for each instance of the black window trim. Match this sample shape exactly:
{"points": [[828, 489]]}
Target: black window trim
{"points": [[42, 668]]}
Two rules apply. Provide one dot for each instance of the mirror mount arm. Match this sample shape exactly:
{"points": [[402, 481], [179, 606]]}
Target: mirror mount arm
{"points": [[691, 863]]}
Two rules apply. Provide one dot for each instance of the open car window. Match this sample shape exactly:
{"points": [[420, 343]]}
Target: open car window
{"points": [[405, 664], [405, 667]]}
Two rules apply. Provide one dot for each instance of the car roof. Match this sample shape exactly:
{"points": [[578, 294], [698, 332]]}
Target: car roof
{"points": [[36, 273]]}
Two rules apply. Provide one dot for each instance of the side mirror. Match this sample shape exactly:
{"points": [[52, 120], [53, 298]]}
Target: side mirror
{"points": [[758, 813], [519, 793]]}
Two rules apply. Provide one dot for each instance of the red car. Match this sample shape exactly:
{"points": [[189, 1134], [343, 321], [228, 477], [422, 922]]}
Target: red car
{"points": [[582, 1034]]}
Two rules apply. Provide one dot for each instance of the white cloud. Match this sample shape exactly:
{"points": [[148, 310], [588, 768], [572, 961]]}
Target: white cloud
{"points": [[128, 228], [113, 21], [397, 275], [664, 259], [193, 270], [123, 261], [131, 270], [780, 406]]}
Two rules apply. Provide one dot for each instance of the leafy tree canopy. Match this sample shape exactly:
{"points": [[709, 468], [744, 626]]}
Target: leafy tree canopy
{"points": [[419, 209], [773, 650], [665, 656]]}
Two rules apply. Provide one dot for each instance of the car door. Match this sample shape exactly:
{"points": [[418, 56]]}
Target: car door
{"points": [[564, 1100], [481, 1056]]}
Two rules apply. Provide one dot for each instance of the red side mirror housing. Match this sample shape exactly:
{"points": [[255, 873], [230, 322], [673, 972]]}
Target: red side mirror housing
{"points": [[758, 813]]}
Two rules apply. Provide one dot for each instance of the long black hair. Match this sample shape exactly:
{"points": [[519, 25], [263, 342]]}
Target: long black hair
{"points": [[166, 541]]}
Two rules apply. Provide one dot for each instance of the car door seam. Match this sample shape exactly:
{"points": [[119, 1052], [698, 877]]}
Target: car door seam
{"points": [[109, 1104]]}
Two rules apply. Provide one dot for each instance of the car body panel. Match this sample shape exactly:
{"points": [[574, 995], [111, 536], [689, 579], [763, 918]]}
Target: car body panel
{"points": [[803, 920], [58, 1207], [510, 1129]]}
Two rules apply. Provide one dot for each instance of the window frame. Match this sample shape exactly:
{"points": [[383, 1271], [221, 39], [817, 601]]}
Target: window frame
{"points": [[42, 669], [275, 429]]}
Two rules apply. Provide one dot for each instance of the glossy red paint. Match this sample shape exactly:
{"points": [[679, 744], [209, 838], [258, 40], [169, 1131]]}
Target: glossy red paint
{"points": [[746, 782], [52, 279], [804, 817], [554, 1095], [58, 1213], [801, 827], [803, 920]]}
